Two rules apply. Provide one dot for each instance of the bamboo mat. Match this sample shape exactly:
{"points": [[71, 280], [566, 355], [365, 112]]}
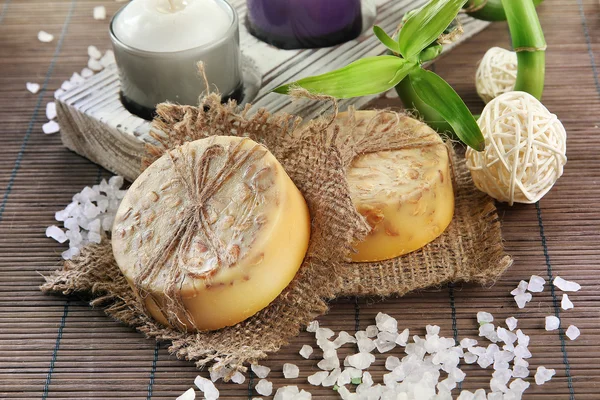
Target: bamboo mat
{"points": [[61, 349]]}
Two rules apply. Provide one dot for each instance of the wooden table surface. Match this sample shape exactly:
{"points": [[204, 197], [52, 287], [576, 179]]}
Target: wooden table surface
{"points": [[52, 347]]}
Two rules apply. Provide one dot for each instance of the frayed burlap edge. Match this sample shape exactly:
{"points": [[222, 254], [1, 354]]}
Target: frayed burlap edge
{"points": [[315, 158]]}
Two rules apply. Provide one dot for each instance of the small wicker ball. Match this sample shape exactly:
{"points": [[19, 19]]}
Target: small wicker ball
{"points": [[525, 148], [496, 74]]}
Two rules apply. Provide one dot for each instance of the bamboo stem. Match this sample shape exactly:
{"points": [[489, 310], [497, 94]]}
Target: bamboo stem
{"points": [[488, 10]]}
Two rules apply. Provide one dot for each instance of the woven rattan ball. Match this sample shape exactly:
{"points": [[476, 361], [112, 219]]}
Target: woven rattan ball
{"points": [[496, 74], [525, 148]]}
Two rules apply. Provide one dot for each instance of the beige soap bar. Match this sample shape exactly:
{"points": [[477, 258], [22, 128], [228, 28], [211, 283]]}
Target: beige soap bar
{"points": [[405, 195], [211, 233]]}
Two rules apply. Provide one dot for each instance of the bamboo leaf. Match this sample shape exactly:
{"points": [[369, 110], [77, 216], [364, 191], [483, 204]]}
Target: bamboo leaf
{"points": [[371, 75], [426, 25], [439, 95], [386, 39]]}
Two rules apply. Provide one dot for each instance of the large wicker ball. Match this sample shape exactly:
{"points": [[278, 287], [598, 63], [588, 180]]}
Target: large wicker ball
{"points": [[496, 74], [525, 148]]}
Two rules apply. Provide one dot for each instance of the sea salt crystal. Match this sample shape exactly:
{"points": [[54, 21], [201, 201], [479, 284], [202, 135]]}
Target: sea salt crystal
{"points": [[566, 286], [520, 362], [495, 396], [511, 322], [470, 358], [94, 65], [290, 371], [207, 387], [543, 375], [536, 284], [45, 37], [50, 127], [343, 338], [94, 237], [317, 378], [372, 331], [286, 393], [220, 373], [572, 332], [566, 303], [391, 363], [108, 58], [486, 329], [66, 86], [366, 345], [94, 53], [58, 92], [99, 12], [386, 323], [520, 372], [344, 378], [552, 323], [485, 361], [76, 79], [303, 395], [238, 378], [260, 370], [523, 338], [522, 299], [324, 333], [117, 181], [51, 110], [107, 222], [56, 233], [329, 363], [465, 395], [520, 289], [506, 336], [86, 73], [306, 351], [264, 387], [467, 342], [332, 378], [522, 352], [69, 254], [519, 385], [484, 317], [33, 87], [361, 360], [402, 338], [189, 394], [383, 346], [312, 327]]}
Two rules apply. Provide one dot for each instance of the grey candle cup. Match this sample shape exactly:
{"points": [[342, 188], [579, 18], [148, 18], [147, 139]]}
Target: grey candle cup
{"points": [[149, 78]]}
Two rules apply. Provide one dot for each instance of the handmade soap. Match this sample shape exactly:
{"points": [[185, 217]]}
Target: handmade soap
{"points": [[405, 195], [211, 233]]}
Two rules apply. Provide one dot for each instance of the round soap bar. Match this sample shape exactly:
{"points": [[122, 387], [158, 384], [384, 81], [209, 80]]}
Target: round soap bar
{"points": [[405, 195], [211, 233]]}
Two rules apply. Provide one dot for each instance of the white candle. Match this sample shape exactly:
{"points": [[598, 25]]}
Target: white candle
{"points": [[158, 43], [171, 25]]}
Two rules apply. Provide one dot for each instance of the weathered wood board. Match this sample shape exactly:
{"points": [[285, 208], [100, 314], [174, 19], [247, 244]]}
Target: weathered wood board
{"points": [[95, 124]]}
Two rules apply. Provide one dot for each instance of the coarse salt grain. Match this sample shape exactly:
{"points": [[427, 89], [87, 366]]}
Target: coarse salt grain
{"points": [[520, 289], [566, 286], [45, 37], [402, 338], [312, 327], [290, 371], [99, 12], [386, 323], [552, 323], [189, 394], [306, 351], [56, 233], [86, 73], [50, 127], [566, 303], [286, 392], [536, 284], [317, 378], [264, 387], [207, 387], [238, 378], [511, 322], [51, 110], [522, 299], [108, 58], [260, 371], [484, 317], [543, 375], [572, 332], [94, 65], [33, 87], [94, 53]]}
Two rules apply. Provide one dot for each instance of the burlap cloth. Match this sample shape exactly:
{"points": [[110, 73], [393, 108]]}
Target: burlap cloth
{"points": [[315, 155]]}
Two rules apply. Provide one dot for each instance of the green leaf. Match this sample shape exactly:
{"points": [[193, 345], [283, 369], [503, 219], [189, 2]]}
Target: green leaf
{"points": [[426, 25], [386, 40], [436, 93], [371, 75]]}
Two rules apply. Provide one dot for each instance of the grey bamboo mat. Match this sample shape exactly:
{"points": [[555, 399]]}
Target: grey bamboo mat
{"points": [[55, 348]]}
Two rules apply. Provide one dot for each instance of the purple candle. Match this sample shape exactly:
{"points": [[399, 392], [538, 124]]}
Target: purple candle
{"points": [[291, 24]]}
